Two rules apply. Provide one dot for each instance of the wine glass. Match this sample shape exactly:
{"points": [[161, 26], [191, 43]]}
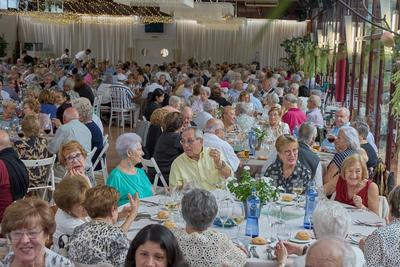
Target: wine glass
{"points": [[238, 215], [47, 127], [19, 131], [224, 211], [282, 232], [298, 190]]}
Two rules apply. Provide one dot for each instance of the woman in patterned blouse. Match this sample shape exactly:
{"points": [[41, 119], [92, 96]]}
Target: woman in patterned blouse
{"points": [[382, 246], [101, 241], [287, 171], [33, 147]]}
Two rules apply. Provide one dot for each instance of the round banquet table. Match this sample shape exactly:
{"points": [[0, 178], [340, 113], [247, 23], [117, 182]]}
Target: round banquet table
{"points": [[154, 204]]}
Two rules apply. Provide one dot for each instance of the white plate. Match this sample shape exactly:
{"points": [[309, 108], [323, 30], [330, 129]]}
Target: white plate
{"points": [[155, 217], [298, 241], [285, 203]]}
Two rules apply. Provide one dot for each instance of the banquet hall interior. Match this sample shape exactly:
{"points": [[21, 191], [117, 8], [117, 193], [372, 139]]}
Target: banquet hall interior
{"points": [[199, 133]]}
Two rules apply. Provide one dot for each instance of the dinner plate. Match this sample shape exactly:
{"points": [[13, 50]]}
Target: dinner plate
{"points": [[298, 241], [155, 218], [285, 203]]}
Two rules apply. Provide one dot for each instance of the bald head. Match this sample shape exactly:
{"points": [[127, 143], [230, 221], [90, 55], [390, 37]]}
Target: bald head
{"points": [[215, 126], [187, 116], [4, 140], [70, 114], [330, 252]]}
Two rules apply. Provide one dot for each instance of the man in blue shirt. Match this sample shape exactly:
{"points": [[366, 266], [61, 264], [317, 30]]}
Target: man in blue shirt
{"points": [[342, 118]]}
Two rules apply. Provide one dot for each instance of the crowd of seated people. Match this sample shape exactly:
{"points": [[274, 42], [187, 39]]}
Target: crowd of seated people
{"points": [[199, 115]]}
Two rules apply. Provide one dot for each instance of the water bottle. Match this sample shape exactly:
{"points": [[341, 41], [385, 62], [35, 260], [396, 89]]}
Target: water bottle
{"points": [[311, 203], [253, 213], [252, 142], [296, 132]]}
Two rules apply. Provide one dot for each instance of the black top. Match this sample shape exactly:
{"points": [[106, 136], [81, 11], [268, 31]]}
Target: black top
{"points": [[167, 149], [27, 59], [150, 107], [308, 158], [372, 157], [221, 101], [61, 109], [85, 91], [152, 137], [97, 139]]}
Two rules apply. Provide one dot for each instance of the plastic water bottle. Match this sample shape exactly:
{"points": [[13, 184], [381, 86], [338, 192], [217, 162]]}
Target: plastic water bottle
{"points": [[296, 132], [253, 213], [311, 203], [252, 142]]}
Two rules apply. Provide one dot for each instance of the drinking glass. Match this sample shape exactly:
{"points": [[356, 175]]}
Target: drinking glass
{"points": [[282, 232], [298, 190], [47, 127], [224, 211], [238, 215]]}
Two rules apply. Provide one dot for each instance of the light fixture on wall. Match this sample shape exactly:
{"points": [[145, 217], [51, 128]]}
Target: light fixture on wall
{"points": [[229, 24], [395, 21]]}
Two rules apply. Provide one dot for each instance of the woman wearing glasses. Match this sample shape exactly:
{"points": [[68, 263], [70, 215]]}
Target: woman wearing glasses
{"points": [[28, 223], [126, 178], [73, 157], [287, 171]]}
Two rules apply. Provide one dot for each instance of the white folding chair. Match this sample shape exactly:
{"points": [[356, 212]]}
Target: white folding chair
{"points": [[89, 160], [120, 108], [151, 163], [97, 104], [47, 163], [102, 160], [383, 207], [142, 128]]}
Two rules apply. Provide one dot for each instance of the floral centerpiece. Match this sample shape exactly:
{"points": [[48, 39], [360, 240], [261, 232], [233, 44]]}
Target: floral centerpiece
{"points": [[242, 188]]}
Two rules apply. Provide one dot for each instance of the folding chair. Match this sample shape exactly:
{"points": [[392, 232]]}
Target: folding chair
{"points": [[151, 163], [102, 160], [120, 109], [142, 128], [89, 160]]}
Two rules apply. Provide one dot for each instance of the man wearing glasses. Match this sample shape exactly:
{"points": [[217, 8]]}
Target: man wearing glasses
{"points": [[203, 167]]}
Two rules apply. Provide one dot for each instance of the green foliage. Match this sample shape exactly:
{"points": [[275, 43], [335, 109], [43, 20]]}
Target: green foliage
{"points": [[260, 134], [3, 46], [242, 189]]}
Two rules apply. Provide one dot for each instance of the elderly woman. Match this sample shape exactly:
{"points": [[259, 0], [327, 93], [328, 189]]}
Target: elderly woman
{"points": [[198, 104], [33, 147], [28, 223], [32, 107], [275, 127], [9, 118], [287, 171], [154, 245], [346, 144], [126, 178], [244, 97], [330, 219], [73, 157], [216, 95], [155, 101], [174, 104], [155, 131], [352, 187], [100, 241], [69, 197], [46, 100], [363, 130], [199, 208], [269, 101], [69, 85], [382, 246], [229, 120], [245, 119], [209, 111], [168, 146]]}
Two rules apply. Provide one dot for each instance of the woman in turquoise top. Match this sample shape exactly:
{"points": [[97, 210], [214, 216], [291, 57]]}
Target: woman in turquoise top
{"points": [[126, 178]]}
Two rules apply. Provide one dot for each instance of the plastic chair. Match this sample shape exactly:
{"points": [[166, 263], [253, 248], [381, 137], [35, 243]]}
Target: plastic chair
{"points": [[383, 207], [97, 104], [142, 128], [49, 164], [151, 163], [102, 160], [89, 160], [120, 109]]}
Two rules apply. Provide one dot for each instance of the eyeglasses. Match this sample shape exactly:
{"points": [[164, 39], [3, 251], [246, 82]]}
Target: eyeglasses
{"points": [[71, 158], [17, 235], [188, 142]]}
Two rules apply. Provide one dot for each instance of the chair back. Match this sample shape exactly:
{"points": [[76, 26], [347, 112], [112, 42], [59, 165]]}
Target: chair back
{"points": [[383, 207], [97, 104], [47, 163], [101, 159], [142, 128], [119, 97], [151, 163], [89, 160]]}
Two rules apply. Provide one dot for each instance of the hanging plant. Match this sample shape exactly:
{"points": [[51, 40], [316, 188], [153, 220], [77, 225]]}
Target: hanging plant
{"points": [[3, 46]]}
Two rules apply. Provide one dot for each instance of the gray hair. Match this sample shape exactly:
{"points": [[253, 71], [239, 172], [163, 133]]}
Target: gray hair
{"points": [[340, 252], [245, 108], [291, 98], [205, 89], [70, 83], [9, 103], [279, 91], [352, 137], [331, 219], [198, 134], [199, 208], [294, 86], [127, 142], [361, 127], [307, 133], [345, 110], [188, 83], [273, 82], [315, 99], [213, 125], [210, 106], [273, 97], [174, 101], [394, 202]]}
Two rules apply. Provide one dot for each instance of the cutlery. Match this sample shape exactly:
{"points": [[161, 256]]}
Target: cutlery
{"points": [[148, 202], [254, 252], [370, 224], [269, 253], [249, 254]]}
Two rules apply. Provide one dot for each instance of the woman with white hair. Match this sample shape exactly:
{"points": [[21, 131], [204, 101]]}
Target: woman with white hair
{"points": [[126, 178], [346, 144], [270, 101], [314, 113], [245, 119], [198, 104], [330, 219]]}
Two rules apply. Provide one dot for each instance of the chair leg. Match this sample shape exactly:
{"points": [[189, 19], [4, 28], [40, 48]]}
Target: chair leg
{"points": [[123, 121], [111, 117]]}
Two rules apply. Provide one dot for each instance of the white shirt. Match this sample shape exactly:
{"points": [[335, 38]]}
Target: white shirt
{"points": [[201, 119], [65, 226], [150, 89], [213, 141], [5, 95], [81, 55]]}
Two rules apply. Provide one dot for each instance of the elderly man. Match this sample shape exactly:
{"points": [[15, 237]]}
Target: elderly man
{"points": [[214, 135], [341, 119], [251, 89], [209, 111], [307, 156], [174, 104], [72, 129], [330, 219], [294, 116], [314, 113], [235, 91], [14, 178], [201, 166], [187, 117]]}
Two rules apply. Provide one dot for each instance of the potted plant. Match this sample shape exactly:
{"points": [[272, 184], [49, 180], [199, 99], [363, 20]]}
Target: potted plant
{"points": [[242, 188]]}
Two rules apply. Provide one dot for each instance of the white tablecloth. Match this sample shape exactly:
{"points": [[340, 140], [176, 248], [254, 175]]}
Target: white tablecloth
{"points": [[293, 226]]}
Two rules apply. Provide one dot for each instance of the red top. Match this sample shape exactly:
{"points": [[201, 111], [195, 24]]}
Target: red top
{"points": [[342, 195], [5, 190], [294, 117]]}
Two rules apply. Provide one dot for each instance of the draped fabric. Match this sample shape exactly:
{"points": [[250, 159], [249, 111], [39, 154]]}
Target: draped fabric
{"points": [[258, 40]]}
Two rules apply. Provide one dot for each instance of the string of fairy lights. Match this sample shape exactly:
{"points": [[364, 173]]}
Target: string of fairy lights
{"points": [[88, 12]]}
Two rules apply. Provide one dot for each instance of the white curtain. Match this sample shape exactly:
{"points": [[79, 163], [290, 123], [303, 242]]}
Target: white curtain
{"points": [[259, 39]]}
